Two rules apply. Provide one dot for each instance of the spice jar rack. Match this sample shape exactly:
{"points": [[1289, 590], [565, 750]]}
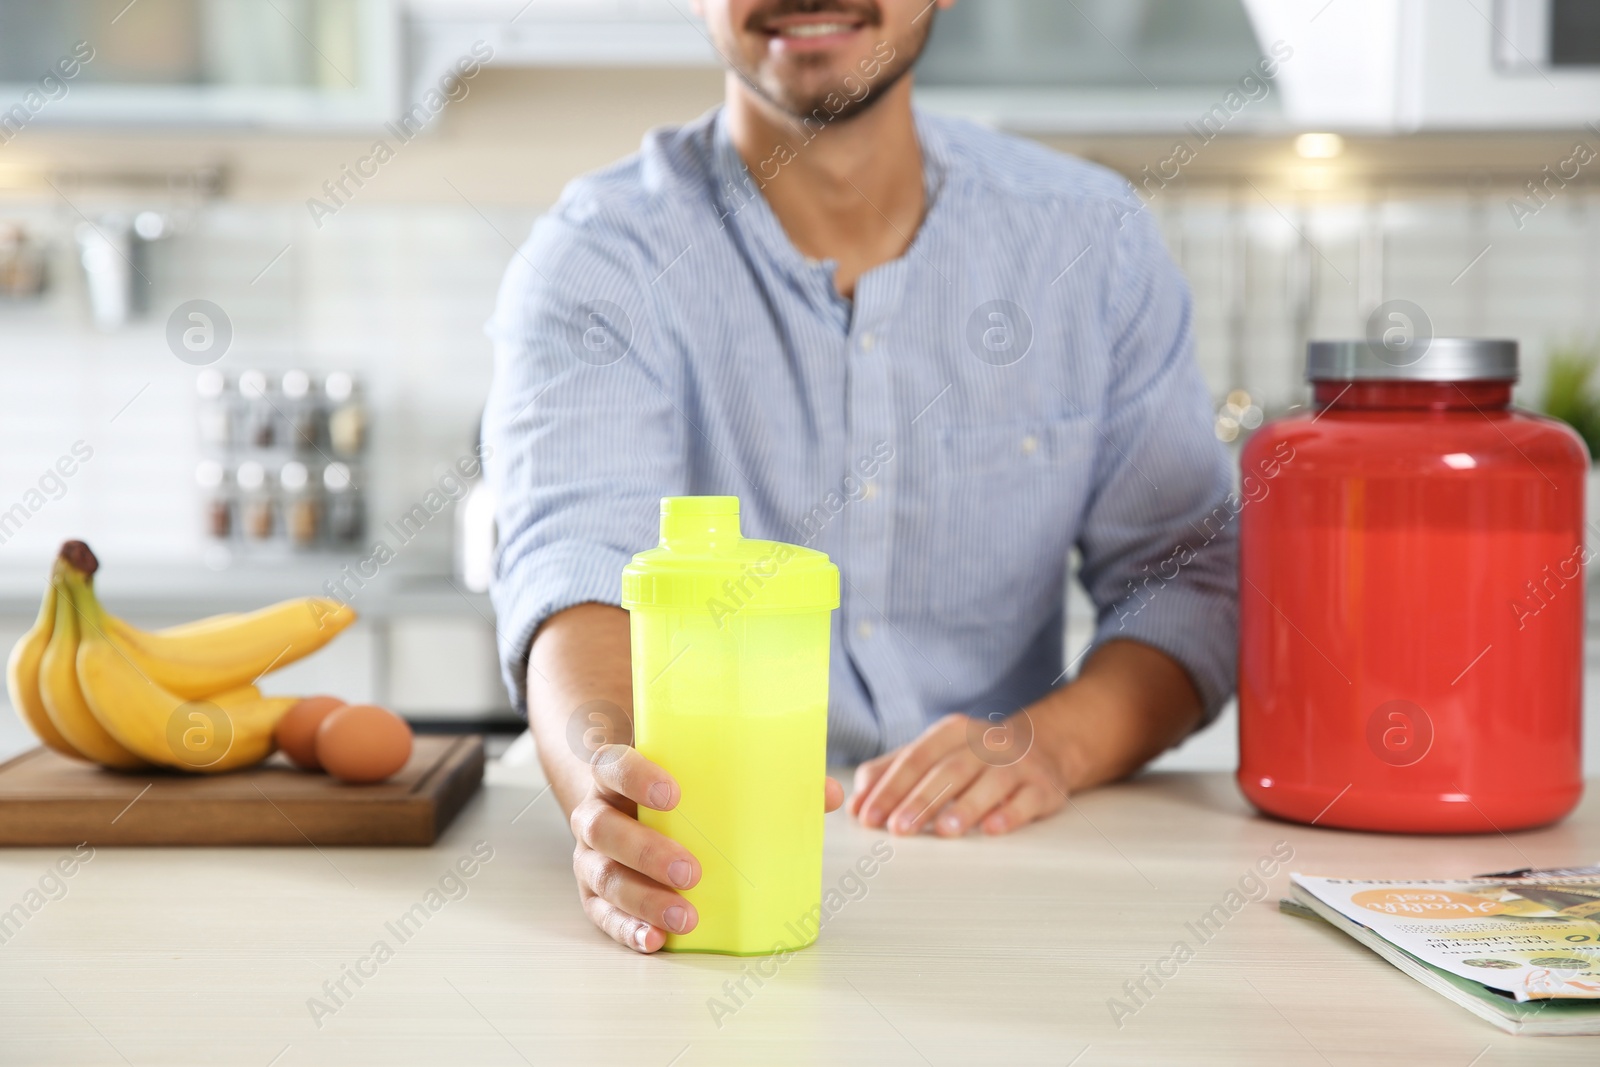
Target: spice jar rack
{"points": [[281, 468]]}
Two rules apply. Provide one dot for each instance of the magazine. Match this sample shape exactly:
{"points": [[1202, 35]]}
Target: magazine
{"points": [[1520, 948]]}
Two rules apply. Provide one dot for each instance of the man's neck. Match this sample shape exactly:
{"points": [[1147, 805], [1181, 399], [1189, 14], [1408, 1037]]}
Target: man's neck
{"points": [[851, 191]]}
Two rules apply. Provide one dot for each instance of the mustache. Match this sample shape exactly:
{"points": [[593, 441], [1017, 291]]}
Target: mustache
{"points": [[866, 11]]}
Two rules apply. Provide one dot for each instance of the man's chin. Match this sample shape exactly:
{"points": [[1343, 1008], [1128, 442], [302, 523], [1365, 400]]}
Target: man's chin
{"points": [[841, 82], [836, 89], [801, 100]]}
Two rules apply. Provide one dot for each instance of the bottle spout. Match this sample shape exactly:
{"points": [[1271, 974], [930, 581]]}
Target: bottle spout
{"points": [[699, 520]]}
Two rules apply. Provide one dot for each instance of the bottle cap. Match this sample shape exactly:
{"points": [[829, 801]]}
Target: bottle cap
{"points": [[704, 563], [1437, 359]]}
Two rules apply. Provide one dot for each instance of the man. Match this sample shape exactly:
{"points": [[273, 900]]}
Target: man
{"points": [[945, 357]]}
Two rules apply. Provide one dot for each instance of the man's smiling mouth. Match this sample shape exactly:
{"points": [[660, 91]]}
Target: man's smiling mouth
{"points": [[814, 29]]}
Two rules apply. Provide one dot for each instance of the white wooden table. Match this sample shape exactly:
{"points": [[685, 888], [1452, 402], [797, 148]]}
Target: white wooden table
{"points": [[954, 952]]}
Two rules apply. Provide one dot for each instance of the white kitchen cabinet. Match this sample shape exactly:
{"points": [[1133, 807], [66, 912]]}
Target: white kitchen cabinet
{"points": [[250, 63], [557, 33], [443, 667], [1405, 65], [349, 667]]}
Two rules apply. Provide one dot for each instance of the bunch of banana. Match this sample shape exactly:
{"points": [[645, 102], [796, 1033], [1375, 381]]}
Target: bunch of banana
{"points": [[93, 687]]}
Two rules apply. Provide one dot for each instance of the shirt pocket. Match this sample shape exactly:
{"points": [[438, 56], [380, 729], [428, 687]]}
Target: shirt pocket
{"points": [[1008, 506]]}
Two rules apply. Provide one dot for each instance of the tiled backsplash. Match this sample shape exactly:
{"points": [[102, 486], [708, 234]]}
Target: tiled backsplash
{"points": [[398, 293], [1270, 273]]}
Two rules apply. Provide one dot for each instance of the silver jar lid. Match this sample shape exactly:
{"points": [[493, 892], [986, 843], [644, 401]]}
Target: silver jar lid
{"points": [[1439, 359]]}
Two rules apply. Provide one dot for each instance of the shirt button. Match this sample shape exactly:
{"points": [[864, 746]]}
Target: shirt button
{"points": [[1030, 445], [867, 341], [864, 628]]}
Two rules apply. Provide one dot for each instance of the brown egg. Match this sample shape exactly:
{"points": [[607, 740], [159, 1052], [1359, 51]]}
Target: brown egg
{"points": [[297, 730], [363, 743]]}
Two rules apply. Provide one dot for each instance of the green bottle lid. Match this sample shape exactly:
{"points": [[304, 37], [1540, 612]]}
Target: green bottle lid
{"points": [[704, 563]]}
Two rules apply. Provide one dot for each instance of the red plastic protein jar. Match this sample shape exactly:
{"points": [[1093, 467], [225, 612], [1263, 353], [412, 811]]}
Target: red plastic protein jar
{"points": [[1412, 597]]}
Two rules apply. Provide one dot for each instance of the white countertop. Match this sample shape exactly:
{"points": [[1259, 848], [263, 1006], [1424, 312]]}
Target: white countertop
{"points": [[954, 952]]}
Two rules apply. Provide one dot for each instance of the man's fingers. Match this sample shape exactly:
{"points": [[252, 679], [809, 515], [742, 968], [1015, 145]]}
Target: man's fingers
{"points": [[867, 774], [986, 792], [635, 894], [944, 781], [624, 929], [621, 770], [623, 838], [1031, 801], [832, 794], [907, 768]]}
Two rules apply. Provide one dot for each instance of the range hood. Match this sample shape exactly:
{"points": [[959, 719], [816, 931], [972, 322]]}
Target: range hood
{"points": [[1375, 66]]}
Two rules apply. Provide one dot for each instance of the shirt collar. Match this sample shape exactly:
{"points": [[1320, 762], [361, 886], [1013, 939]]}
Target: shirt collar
{"points": [[743, 206]]}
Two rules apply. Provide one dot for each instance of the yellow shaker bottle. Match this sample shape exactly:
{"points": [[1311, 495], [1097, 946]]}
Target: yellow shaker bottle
{"points": [[730, 697]]}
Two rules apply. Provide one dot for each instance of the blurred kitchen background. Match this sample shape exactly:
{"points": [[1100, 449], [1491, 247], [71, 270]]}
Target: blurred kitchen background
{"points": [[204, 181]]}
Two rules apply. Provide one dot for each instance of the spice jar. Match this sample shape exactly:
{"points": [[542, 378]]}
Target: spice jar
{"points": [[346, 517], [1411, 597], [260, 414], [302, 512], [216, 409], [208, 474], [257, 513], [347, 417], [303, 412]]}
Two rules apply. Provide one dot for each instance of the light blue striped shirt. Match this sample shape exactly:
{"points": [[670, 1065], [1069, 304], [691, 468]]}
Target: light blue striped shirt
{"points": [[1019, 383]]}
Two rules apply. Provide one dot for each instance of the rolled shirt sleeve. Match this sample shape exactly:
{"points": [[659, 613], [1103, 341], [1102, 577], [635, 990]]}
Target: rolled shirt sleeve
{"points": [[583, 435], [1159, 540]]}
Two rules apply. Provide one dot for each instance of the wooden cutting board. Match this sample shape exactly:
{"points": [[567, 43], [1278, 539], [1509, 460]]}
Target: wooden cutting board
{"points": [[47, 799]]}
